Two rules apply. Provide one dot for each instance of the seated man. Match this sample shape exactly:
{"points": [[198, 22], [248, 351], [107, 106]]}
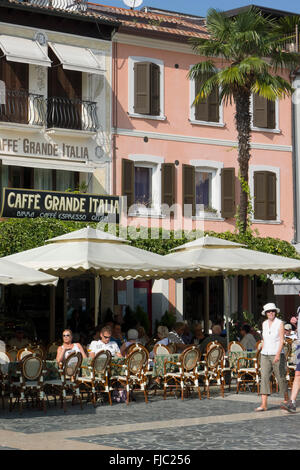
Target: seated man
{"points": [[199, 336], [162, 334], [117, 334], [19, 340], [215, 336], [175, 336], [104, 343], [248, 340]]}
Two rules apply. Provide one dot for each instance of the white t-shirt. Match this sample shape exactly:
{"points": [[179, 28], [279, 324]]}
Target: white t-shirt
{"points": [[97, 346]]}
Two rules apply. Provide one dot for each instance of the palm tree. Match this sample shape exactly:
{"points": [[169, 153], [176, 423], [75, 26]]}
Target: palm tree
{"points": [[251, 47]]}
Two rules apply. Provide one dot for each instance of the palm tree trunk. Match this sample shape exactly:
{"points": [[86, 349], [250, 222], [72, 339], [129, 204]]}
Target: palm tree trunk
{"points": [[243, 122]]}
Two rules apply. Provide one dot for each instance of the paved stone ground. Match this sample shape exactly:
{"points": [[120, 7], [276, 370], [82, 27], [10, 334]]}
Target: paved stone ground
{"points": [[212, 424]]}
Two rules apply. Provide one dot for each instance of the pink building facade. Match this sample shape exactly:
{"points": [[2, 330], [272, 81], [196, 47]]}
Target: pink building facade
{"points": [[167, 151]]}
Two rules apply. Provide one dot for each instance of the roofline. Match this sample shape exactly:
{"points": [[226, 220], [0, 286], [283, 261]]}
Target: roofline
{"points": [[147, 9], [271, 11], [56, 12]]}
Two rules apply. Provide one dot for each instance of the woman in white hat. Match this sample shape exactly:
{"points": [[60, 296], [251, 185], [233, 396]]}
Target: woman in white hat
{"points": [[272, 354]]}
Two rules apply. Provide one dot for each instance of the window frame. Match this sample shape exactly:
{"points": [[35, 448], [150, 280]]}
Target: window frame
{"points": [[192, 117], [215, 168], [271, 169], [155, 163], [131, 62]]}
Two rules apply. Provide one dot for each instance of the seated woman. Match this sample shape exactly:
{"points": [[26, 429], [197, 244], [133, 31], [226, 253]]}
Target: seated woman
{"points": [[68, 347]]}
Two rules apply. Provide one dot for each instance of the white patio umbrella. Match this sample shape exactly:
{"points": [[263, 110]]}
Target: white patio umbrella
{"points": [[96, 252], [222, 257], [13, 273]]}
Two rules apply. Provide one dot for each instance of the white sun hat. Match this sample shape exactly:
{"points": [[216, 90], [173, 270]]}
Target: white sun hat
{"points": [[270, 306]]}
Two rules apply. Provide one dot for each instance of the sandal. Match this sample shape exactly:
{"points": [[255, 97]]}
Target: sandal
{"points": [[260, 408]]}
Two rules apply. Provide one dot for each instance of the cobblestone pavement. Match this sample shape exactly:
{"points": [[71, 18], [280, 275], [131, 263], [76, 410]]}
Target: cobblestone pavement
{"points": [[217, 423]]}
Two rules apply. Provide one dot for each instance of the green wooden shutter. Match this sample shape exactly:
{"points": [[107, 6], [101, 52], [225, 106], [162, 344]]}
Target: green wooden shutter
{"points": [[168, 183], [260, 201], [155, 89], [260, 111], [142, 95], [263, 112], [188, 189], [213, 106], [128, 181], [201, 108], [228, 192], [271, 196], [265, 195], [207, 109]]}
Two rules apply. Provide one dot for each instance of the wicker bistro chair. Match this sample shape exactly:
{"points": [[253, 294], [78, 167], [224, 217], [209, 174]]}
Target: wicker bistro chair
{"points": [[68, 382], [135, 372], [187, 376], [235, 346], [99, 379], [24, 352], [248, 371], [214, 368], [31, 385], [161, 349]]}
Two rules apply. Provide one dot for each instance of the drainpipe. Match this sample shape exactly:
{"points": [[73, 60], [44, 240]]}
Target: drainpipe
{"points": [[114, 112], [295, 168]]}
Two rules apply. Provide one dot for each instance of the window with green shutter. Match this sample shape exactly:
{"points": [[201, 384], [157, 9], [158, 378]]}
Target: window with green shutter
{"points": [[168, 184], [147, 88], [188, 190], [265, 195], [263, 112], [128, 181], [207, 109], [228, 193]]}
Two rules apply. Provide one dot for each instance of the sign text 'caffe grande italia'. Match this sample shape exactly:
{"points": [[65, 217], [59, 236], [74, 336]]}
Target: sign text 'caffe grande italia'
{"points": [[22, 203], [46, 149]]}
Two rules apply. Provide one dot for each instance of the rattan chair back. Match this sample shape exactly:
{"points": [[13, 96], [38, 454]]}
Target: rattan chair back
{"points": [[72, 365], [13, 352], [161, 349], [235, 346], [189, 358], [101, 362], [24, 352], [137, 360], [31, 367], [214, 356]]}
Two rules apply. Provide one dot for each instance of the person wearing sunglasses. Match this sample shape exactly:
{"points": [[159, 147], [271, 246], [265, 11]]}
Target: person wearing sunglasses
{"points": [[68, 347], [104, 343], [272, 355]]}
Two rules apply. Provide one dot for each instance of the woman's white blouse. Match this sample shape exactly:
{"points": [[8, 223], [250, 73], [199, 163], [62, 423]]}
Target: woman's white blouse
{"points": [[271, 337]]}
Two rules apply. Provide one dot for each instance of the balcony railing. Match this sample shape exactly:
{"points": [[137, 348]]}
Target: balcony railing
{"points": [[292, 41], [22, 107], [71, 114], [69, 5]]}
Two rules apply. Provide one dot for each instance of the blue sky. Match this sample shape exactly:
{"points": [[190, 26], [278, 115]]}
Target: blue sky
{"points": [[198, 7]]}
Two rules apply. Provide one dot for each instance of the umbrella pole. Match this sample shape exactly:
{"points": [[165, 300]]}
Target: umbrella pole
{"points": [[65, 302], [226, 305], [97, 296], [52, 313], [206, 311]]}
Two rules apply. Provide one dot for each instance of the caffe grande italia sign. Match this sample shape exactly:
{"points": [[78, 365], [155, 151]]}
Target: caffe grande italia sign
{"points": [[46, 149], [22, 203]]}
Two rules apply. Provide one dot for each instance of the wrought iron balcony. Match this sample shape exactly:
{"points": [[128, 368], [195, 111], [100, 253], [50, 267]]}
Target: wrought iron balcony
{"points": [[68, 113], [22, 107], [292, 41]]}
